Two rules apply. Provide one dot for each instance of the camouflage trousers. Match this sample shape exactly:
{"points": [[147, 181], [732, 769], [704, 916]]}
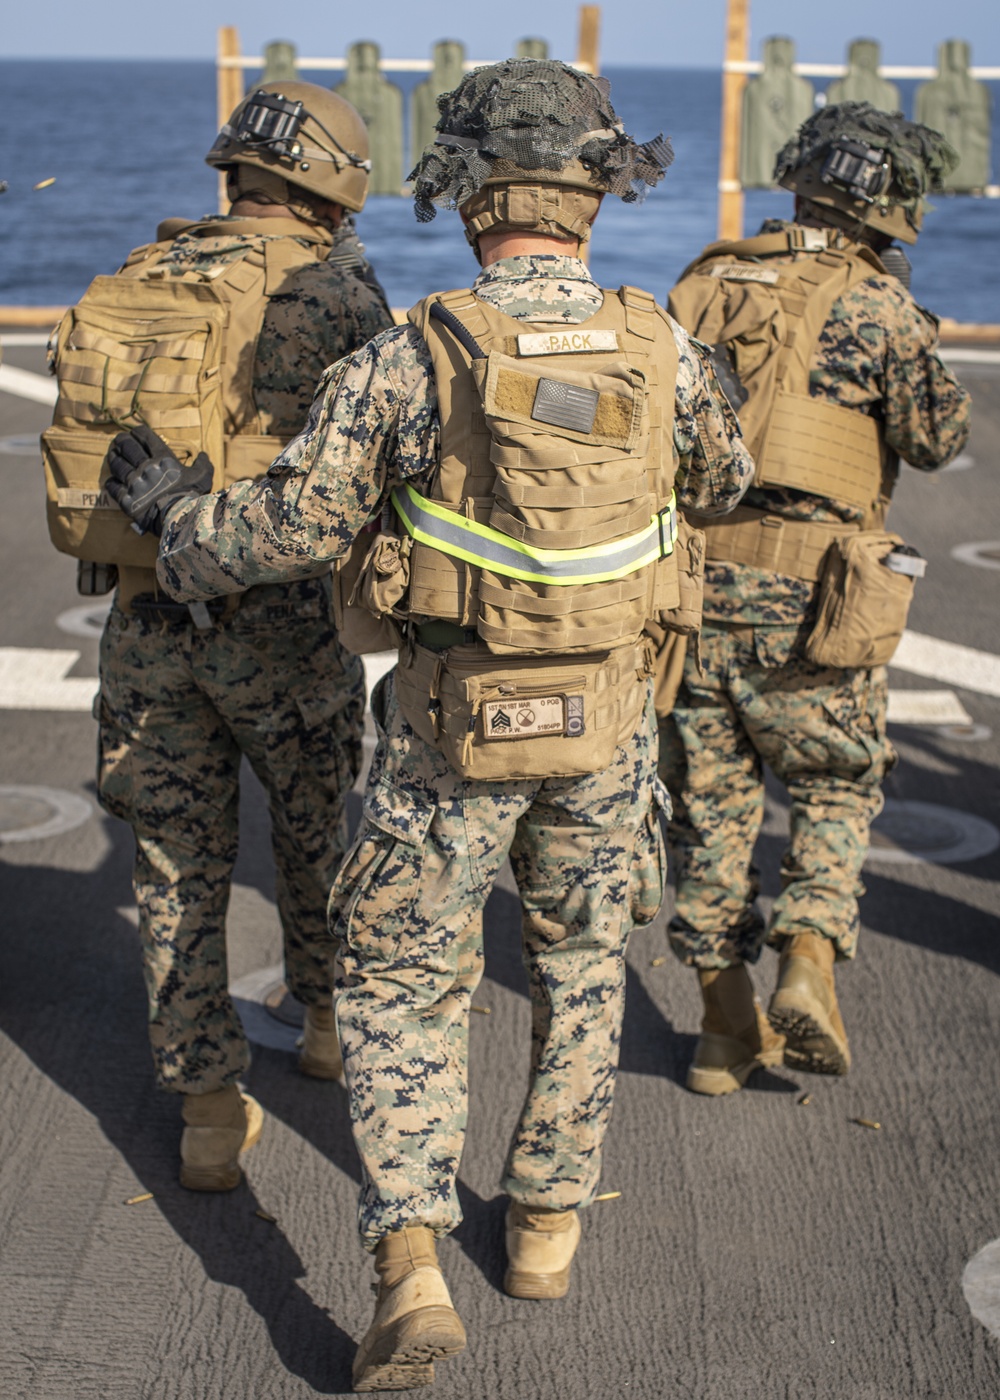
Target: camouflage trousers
{"points": [[589, 862], [822, 733], [178, 708]]}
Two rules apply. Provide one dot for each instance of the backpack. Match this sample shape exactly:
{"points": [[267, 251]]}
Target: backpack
{"points": [[174, 352]]}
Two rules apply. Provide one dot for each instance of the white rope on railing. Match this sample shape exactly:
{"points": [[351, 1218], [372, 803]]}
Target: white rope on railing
{"points": [[838, 70]]}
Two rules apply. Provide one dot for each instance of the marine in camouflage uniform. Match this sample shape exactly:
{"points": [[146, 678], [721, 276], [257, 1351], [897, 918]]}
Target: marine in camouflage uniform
{"points": [[757, 700], [263, 676], [586, 851]]}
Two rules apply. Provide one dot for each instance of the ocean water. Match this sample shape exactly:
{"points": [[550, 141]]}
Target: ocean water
{"points": [[124, 143]]}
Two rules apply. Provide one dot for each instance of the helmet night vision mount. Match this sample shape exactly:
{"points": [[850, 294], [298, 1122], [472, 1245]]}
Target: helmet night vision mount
{"points": [[863, 171]]}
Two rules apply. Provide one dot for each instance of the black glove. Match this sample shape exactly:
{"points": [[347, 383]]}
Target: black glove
{"points": [[146, 479]]}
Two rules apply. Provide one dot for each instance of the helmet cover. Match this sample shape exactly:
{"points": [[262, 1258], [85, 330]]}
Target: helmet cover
{"points": [[536, 120]]}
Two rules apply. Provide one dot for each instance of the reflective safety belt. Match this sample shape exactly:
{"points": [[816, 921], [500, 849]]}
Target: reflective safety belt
{"points": [[431, 523]]}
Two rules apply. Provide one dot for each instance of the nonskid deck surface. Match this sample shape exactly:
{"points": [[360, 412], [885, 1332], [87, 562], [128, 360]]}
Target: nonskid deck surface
{"points": [[760, 1247]]}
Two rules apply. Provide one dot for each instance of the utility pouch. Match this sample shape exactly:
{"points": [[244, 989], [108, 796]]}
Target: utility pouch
{"points": [[689, 552], [863, 603], [364, 628], [502, 717]]}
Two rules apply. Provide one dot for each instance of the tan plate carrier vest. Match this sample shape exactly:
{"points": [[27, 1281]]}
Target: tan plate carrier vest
{"points": [[546, 530], [770, 316], [176, 353]]}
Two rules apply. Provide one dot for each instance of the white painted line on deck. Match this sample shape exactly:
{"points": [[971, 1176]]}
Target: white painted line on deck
{"points": [[32, 679], [27, 385], [33, 338], [964, 667], [35, 679], [981, 1286], [963, 355], [926, 707]]}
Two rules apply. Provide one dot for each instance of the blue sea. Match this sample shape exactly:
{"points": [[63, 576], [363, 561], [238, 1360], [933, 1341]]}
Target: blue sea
{"points": [[124, 143]]}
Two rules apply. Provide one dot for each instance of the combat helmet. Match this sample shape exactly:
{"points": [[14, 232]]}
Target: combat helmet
{"points": [[531, 146], [866, 169], [299, 135]]}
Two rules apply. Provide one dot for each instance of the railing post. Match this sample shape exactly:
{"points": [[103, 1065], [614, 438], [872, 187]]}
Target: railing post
{"points": [[229, 90], [730, 189], [589, 36]]}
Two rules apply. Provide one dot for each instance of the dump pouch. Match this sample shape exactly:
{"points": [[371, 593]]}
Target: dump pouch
{"points": [[531, 717], [863, 604], [363, 593]]}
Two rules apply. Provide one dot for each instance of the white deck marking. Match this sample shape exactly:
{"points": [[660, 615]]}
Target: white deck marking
{"points": [[926, 707], [963, 355], [981, 1286], [964, 667], [13, 338], [32, 679], [66, 810], [981, 555], [35, 679], [28, 385]]}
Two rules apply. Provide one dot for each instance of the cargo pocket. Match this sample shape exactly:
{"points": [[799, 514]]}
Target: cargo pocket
{"points": [[372, 902], [115, 777], [649, 863]]}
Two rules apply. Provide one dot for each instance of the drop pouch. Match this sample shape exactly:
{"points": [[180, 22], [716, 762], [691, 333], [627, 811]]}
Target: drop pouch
{"points": [[863, 603]]}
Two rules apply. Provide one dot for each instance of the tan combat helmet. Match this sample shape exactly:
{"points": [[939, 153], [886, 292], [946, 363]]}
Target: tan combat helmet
{"points": [[296, 134], [531, 146], [866, 170]]}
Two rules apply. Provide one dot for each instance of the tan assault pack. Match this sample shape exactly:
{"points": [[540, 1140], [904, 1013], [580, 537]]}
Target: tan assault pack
{"points": [[543, 541], [174, 352], [769, 317]]}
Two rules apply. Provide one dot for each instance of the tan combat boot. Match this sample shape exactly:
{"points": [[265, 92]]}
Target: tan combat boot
{"points": [[218, 1127], [415, 1323], [319, 1053], [735, 1037], [540, 1248], [804, 1006]]}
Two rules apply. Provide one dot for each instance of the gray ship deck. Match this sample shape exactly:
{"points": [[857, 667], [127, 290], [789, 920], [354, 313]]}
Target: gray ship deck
{"points": [[760, 1246]]}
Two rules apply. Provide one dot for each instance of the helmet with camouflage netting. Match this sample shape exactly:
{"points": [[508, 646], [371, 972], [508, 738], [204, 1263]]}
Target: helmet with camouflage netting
{"points": [[530, 146], [288, 136], [866, 169]]}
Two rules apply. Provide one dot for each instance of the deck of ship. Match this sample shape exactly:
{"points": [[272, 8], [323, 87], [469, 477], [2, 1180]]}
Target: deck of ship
{"points": [[760, 1246]]}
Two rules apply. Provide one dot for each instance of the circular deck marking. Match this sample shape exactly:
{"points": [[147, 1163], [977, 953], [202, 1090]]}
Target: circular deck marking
{"points": [[962, 463], [908, 832], [261, 1027], [981, 1286], [35, 813], [85, 621], [21, 445], [966, 733], [984, 555]]}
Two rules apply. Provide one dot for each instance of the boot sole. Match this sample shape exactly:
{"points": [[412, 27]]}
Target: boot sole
{"points": [[518, 1284], [716, 1082], [404, 1357], [811, 1043], [225, 1178]]}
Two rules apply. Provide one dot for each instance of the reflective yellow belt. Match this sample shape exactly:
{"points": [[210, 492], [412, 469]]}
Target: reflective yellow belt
{"points": [[431, 523]]}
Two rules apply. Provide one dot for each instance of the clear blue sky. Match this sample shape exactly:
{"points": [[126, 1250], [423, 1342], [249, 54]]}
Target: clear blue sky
{"points": [[660, 33]]}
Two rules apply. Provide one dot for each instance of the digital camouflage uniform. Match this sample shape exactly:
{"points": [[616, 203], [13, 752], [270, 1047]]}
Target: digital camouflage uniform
{"points": [[586, 851], [757, 699], [268, 679]]}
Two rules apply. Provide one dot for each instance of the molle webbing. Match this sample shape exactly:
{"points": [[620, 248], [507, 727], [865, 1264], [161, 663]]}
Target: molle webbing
{"points": [[775, 543], [175, 352], [550, 521], [796, 440], [817, 446]]}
